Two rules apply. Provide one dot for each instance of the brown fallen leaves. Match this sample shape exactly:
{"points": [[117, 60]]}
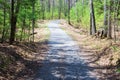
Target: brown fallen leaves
{"points": [[22, 60], [101, 54]]}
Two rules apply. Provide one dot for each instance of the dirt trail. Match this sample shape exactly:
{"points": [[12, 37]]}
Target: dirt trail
{"points": [[63, 61]]}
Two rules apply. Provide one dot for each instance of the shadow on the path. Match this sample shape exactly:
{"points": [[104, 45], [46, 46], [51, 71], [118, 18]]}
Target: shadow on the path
{"points": [[54, 70], [63, 63], [60, 69]]}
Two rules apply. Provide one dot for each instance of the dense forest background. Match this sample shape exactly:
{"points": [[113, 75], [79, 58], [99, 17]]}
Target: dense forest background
{"points": [[18, 17]]}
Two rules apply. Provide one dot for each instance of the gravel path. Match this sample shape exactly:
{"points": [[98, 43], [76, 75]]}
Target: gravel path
{"points": [[63, 61]]}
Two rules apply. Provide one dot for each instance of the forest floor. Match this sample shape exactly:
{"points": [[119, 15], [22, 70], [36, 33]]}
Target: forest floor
{"points": [[21, 60], [106, 53]]}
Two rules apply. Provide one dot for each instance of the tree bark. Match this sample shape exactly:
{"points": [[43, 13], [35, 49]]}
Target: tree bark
{"points": [[105, 13], [69, 11], [53, 5], [33, 19], [13, 19], [43, 10], [109, 32], [49, 6], [60, 5], [4, 25], [92, 19]]}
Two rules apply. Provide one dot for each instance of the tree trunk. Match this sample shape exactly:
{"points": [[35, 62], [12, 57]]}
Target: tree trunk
{"points": [[33, 19], [49, 6], [29, 38], [60, 5], [69, 11], [92, 19], [76, 10], [109, 32], [105, 13], [65, 8], [13, 19], [53, 4], [4, 25], [43, 10]]}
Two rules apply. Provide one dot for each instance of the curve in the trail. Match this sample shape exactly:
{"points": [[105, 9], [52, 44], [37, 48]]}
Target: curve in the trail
{"points": [[62, 61]]}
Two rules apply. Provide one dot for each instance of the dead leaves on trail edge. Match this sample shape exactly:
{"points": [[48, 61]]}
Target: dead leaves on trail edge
{"points": [[103, 54], [21, 60]]}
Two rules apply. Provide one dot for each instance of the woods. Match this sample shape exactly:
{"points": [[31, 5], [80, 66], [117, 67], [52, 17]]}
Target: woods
{"points": [[97, 19], [75, 11]]}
